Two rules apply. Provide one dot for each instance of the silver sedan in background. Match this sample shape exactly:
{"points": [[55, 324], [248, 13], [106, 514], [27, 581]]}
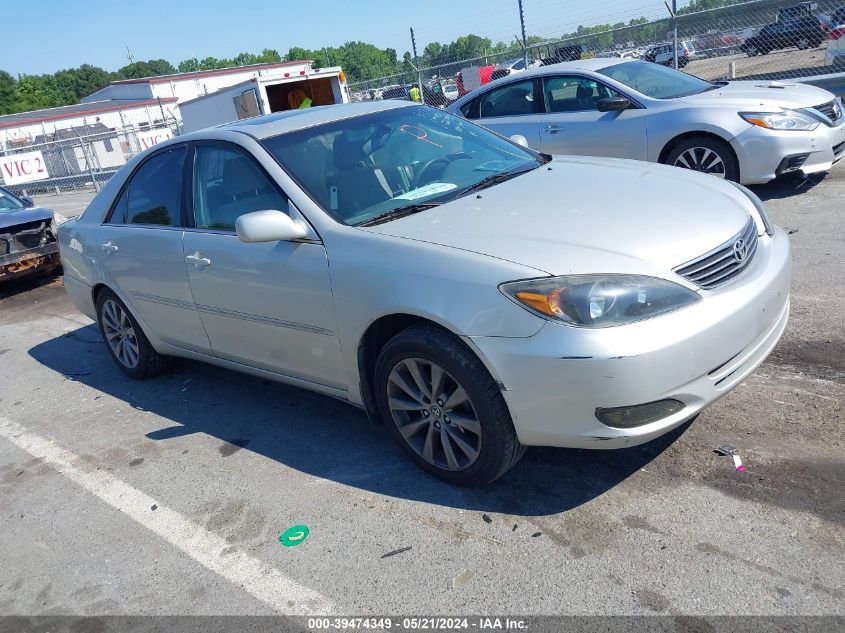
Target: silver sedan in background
{"points": [[472, 295], [745, 131]]}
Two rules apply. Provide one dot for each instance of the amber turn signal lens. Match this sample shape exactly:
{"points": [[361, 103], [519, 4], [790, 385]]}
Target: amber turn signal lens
{"points": [[545, 303]]}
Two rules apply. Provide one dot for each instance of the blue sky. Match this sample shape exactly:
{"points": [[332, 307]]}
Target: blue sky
{"points": [[52, 34]]}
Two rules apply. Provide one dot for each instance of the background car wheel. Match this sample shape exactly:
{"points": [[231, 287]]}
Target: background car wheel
{"points": [[443, 407], [125, 340], [707, 155], [751, 51]]}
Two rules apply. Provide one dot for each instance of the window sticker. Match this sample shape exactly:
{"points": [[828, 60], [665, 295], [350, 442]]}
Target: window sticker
{"points": [[430, 189]]}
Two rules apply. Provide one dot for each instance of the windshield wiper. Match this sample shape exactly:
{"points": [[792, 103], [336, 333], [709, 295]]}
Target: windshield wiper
{"points": [[399, 212], [493, 179]]}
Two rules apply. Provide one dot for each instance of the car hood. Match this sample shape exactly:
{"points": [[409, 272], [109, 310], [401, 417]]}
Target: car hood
{"points": [[757, 95], [22, 216], [584, 214]]}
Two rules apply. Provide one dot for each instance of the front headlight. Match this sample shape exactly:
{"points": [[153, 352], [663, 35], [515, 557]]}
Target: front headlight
{"points": [[599, 300], [785, 120], [759, 206]]}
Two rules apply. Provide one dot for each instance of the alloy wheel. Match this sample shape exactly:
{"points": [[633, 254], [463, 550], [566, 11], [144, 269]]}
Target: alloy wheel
{"points": [[120, 334], [434, 414], [702, 159]]}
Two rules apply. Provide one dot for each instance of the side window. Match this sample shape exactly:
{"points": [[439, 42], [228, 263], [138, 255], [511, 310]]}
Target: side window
{"points": [[226, 185], [510, 100], [467, 109], [118, 213], [153, 195], [574, 94]]}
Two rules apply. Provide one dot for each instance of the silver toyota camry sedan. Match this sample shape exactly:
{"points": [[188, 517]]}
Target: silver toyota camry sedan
{"points": [[473, 296], [745, 131]]}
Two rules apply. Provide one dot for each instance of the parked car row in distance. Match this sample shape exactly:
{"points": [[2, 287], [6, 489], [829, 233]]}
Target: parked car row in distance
{"points": [[746, 131]]}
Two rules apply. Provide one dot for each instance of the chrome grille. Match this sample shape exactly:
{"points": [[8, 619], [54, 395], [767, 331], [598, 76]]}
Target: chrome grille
{"points": [[830, 110], [722, 264]]}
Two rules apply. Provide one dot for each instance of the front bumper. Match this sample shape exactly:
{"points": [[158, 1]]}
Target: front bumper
{"points": [[554, 381], [29, 261], [761, 152]]}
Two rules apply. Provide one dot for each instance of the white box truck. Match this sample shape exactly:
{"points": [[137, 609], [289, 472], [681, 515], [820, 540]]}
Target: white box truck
{"points": [[266, 94]]}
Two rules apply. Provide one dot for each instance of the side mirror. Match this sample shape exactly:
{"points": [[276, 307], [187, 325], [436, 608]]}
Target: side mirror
{"points": [[519, 139], [28, 202], [268, 226], [613, 104]]}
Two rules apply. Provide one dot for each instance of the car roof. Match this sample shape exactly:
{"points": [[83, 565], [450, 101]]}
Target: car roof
{"points": [[593, 64], [289, 120]]}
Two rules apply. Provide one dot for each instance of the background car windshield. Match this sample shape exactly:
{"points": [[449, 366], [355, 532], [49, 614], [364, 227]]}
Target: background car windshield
{"points": [[363, 167], [9, 202], [654, 80]]}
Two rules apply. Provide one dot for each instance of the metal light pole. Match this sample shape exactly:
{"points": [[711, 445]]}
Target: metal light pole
{"points": [[417, 64], [675, 32], [524, 42]]}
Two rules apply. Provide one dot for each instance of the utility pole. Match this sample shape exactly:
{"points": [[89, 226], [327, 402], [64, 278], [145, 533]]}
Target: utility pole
{"points": [[524, 41], [673, 13], [675, 32], [417, 65], [326, 53]]}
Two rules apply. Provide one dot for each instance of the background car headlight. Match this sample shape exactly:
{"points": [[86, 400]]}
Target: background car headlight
{"points": [[759, 206], [785, 120], [599, 300]]}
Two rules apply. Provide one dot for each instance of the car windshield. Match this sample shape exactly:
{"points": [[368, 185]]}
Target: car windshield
{"points": [[656, 81], [8, 202], [380, 166]]}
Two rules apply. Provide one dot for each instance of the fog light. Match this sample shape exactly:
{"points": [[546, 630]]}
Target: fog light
{"points": [[791, 163], [639, 414]]}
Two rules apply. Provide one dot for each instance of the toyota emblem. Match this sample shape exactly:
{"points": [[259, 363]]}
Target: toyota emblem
{"points": [[740, 250]]}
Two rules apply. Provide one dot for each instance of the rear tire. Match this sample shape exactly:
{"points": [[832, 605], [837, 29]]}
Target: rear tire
{"points": [[127, 344], [443, 407], [705, 154]]}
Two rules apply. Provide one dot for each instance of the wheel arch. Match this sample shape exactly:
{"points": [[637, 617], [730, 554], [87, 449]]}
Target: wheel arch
{"points": [[100, 286], [374, 338], [671, 143]]}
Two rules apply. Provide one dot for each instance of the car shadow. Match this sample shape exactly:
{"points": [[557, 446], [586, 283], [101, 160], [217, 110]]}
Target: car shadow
{"points": [[787, 186], [330, 439]]}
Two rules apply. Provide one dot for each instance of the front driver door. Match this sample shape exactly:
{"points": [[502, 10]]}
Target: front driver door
{"points": [[269, 304], [572, 123]]}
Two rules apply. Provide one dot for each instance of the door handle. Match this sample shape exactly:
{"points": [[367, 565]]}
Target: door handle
{"points": [[197, 260], [108, 247], [553, 129]]}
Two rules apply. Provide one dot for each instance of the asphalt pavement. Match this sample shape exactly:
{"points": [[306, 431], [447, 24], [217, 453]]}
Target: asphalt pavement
{"points": [[169, 496]]}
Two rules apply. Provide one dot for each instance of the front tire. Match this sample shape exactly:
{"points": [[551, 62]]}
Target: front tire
{"points": [[127, 344], [443, 408], [707, 155]]}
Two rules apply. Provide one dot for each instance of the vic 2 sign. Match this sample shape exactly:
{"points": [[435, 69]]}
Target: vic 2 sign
{"points": [[153, 137], [21, 168]]}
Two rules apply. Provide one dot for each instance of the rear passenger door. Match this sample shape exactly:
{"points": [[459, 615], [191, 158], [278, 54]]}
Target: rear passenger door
{"points": [[269, 304], [140, 248], [508, 109], [572, 123]]}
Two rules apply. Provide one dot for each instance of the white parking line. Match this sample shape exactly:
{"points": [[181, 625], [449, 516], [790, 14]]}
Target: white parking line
{"points": [[260, 580]]}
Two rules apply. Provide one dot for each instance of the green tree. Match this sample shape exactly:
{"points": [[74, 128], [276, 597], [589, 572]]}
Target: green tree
{"points": [[8, 84], [151, 68], [190, 65], [36, 92]]}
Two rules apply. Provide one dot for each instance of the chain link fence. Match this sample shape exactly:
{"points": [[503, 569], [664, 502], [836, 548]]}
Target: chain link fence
{"points": [[750, 39], [77, 154]]}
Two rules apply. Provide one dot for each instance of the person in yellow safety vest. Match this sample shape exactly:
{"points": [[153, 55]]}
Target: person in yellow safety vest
{"points": [[298, 100], [414, 93]]}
